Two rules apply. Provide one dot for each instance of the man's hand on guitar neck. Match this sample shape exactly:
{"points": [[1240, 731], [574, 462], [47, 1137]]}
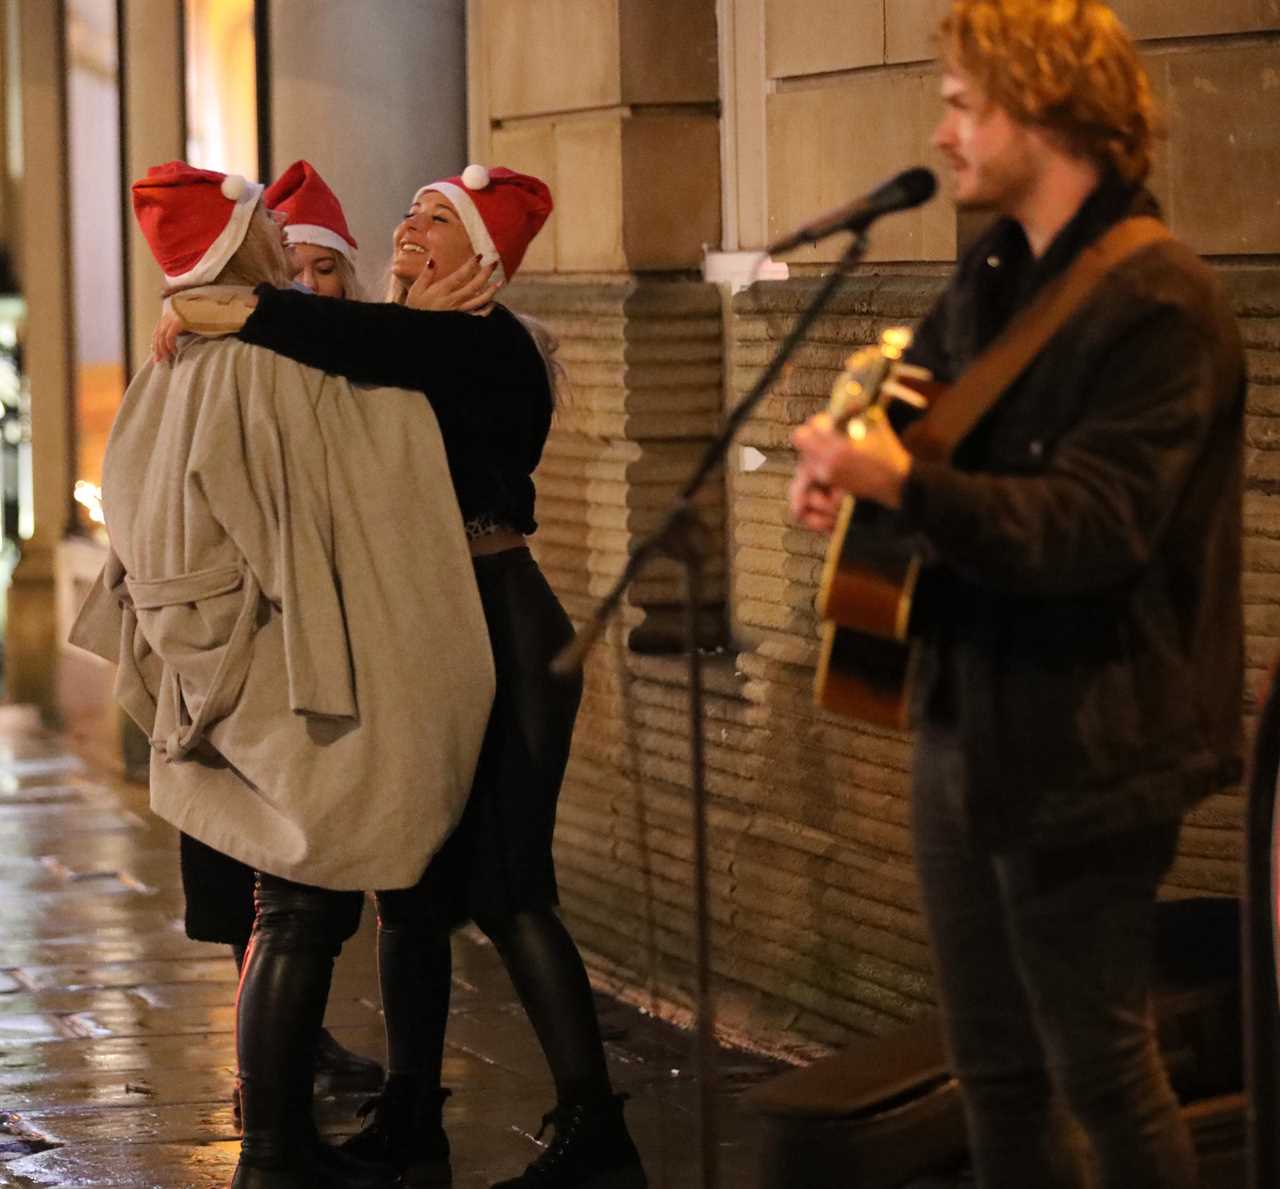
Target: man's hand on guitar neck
{"points": [[868, 462]]}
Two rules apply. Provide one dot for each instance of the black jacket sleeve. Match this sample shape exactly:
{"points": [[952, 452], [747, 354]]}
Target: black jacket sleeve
{"points": [[1095, 514], [462, 363]]}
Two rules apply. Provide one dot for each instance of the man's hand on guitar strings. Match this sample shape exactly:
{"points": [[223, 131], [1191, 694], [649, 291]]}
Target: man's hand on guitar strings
{"points": [[867, 462], [813, 505]]}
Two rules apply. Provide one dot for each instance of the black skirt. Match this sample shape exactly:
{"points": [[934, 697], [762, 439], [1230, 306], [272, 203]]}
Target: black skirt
{"points": [[498, 861], [219, 894]]}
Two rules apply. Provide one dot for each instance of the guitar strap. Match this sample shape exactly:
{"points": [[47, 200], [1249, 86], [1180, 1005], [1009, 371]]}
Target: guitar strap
{"points": [[948, 422]]}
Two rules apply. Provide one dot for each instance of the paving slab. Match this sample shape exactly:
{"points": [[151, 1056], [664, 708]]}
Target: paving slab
{"points": [[117, 1052]]}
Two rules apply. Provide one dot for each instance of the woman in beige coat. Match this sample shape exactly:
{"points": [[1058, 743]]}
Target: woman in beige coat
{"points": [[302, 647], [217, 888]]}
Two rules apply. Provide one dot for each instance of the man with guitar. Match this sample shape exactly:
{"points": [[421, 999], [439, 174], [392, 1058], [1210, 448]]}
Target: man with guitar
{"points": [[1082, 665]]}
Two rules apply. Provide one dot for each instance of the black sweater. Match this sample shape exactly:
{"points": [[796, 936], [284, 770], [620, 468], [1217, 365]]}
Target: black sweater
{"points": [[484, 377]]}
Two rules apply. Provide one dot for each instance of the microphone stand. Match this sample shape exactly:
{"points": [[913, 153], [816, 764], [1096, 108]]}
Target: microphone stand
{"points": [[683, 537]]}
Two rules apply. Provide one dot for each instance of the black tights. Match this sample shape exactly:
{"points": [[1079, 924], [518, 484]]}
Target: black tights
{"points": [[415, 968]]}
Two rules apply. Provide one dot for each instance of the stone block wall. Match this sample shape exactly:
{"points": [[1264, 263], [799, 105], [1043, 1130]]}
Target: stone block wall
{"points": [[818, 935], [643, 362], [851, 99], [613, 103]]}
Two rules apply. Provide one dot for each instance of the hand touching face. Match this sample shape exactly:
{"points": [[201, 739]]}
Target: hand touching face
{"points": [[469, 288]]}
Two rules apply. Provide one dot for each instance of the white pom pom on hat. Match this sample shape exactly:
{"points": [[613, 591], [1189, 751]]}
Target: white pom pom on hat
{"points": [[234, 187], [475, 177]]}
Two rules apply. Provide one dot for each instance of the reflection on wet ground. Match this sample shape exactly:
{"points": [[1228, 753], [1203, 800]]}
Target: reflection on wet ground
{"points": [[116, 1048]]}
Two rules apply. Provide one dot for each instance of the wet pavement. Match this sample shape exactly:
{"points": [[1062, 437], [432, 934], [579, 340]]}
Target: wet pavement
{"points": [[116, 1046]]}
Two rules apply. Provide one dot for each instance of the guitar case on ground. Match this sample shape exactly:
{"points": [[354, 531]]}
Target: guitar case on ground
{"points": [[885, 1113]]}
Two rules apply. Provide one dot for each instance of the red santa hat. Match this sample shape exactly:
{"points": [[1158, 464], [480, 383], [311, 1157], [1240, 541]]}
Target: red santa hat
{"points": [[501, 210], [193, 219], [312, 211]]}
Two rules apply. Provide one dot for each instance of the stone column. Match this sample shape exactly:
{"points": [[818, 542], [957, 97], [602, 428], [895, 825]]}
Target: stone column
{"points": [[151, 39], [379, 106], [31, 644]]}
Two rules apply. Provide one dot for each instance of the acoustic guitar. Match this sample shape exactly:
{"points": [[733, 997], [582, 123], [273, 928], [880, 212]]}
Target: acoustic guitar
{"points": [[869, 593], [869, 582]]}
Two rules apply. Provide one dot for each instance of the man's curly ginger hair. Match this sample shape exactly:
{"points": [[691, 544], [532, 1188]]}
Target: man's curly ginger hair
{"points": [[1068, 66]]}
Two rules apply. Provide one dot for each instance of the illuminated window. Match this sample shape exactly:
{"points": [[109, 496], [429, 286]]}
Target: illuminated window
{"points": [[222, 100], [96, 214]]}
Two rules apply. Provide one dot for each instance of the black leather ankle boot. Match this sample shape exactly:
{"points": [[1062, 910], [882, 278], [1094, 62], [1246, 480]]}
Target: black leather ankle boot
{"points": [[405, 1130], [591, 1149], [277, 1150], [340, 1071]]}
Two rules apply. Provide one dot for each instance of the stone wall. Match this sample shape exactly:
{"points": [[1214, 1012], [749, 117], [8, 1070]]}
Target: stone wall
{"points": [[642, 399], [817, 929], [612, 102], [851, 98]]}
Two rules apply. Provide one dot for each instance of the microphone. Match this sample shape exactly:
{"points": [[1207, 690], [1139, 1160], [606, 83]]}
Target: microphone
{"points": [[910, 188]]}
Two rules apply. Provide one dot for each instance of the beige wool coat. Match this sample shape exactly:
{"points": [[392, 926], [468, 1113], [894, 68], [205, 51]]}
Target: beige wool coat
{"points": [[292, 606]]}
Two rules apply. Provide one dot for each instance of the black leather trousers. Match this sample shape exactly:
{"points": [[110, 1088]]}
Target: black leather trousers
{"points": [[297, 933]]}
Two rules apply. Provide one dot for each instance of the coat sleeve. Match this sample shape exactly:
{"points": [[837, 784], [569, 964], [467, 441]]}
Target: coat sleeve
{"points": [[107, 627], [262, 469], [1094, 516]]}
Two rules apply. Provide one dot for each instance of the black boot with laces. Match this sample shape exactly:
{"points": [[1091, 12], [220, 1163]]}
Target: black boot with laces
{"points": [[404, 1128], [591, 1149]]}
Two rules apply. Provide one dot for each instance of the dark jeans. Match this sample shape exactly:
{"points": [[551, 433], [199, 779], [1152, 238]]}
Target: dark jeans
{"points": [[1043, 963]]}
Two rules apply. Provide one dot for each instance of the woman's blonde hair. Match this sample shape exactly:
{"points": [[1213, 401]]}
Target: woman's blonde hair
{"points": [[352, 290], [260, 257], [1068, 66]]}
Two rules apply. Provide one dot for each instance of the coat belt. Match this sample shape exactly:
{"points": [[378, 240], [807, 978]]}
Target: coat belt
{"points": [[152, 594], [228, 679]]}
